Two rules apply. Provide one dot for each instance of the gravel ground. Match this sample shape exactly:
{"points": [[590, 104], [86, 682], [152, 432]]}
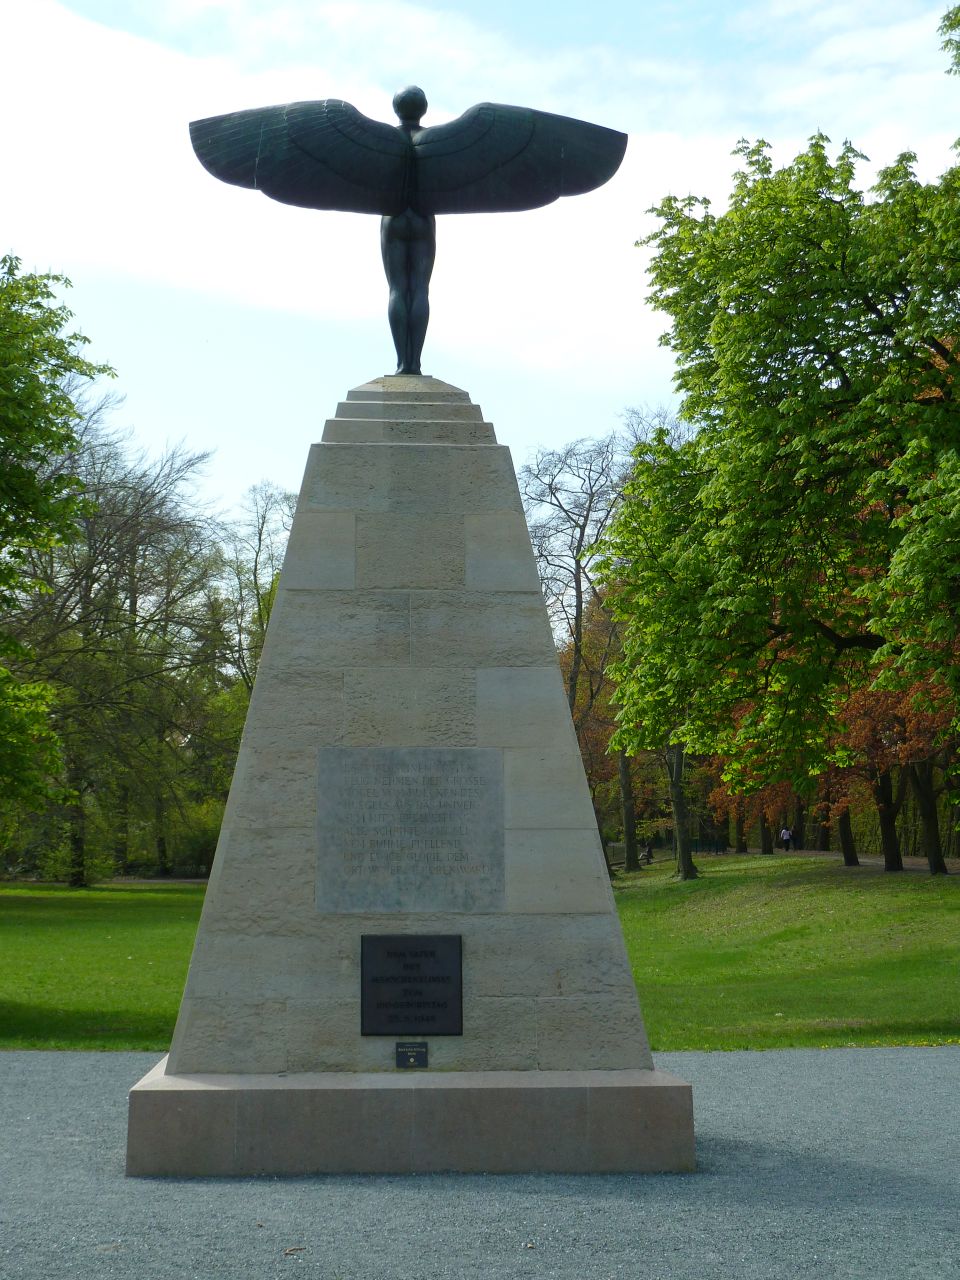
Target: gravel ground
{"points": [[819, 1163]]}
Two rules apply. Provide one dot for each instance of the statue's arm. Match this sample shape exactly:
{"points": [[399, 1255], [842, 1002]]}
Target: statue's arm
{"points": [[319, 155], [498, 158]]}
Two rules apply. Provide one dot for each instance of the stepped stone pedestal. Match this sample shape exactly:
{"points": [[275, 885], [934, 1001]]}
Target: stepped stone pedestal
{"points": [[408, 958]]}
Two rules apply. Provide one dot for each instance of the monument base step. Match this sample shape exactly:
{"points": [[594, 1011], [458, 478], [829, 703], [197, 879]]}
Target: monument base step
{"points": [[411, 1122]]}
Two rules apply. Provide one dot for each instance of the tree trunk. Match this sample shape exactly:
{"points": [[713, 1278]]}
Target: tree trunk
{"points": [[823, 835], [121, 839], [163, 858], [847, 845], [631, 857], [740, 832], [766, 835], [77, 828], [887, 810], [686, 869], [799, 826], [921, 777], [77, 878]]}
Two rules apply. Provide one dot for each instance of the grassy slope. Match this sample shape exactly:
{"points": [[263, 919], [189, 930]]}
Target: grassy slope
{"points": [[759, 953], [773, 952]]}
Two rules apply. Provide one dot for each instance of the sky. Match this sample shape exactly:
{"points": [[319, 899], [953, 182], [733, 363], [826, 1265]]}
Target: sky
{"points": [[236, 324]]}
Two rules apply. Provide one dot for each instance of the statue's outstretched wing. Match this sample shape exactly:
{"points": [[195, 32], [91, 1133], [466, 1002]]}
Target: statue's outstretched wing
{"points": [[319, 155], [498, 158]]}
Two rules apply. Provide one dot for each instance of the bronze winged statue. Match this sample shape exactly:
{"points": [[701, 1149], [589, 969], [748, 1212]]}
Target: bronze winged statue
{"points": [[327, 155]]}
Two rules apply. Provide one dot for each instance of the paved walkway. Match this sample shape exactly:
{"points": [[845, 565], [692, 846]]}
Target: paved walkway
{"points": [[813, 1163]]}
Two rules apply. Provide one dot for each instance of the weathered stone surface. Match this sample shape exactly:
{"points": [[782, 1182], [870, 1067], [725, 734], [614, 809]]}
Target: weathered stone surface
{"points": [[523, 707], [249, 1034], [434, 431], [557, 871], [411, 707], [411, 479], [413, 1122], [406, 387], [409, 410], [268, 887], [587, 1033], [272, 788], [544, 789], [409, 627], [321, 551], [410, 829], [397, 551], [295, 710], [332, 630], [498, 552], [478, 629]]}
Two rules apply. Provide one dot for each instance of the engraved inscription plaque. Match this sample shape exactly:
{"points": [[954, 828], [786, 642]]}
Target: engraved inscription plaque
{"points": [[410, 984], [410, 829], [411, 1054]]}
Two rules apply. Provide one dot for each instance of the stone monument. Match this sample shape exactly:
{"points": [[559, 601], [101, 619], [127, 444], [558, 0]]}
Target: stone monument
{"points": [[408, 958]]}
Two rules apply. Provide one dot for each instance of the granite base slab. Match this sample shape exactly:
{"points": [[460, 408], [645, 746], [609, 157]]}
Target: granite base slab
{"points": [[411, 1122]]}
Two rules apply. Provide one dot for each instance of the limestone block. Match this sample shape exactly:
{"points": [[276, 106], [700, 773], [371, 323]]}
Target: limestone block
{"points": [[408, 387], [250, 1035], [413, 479], [498, 552], [592, 1032], [295, 710], [287, 1130], [324, 1034], [275, 787], [546, 955], [557, 871], [482, 629], [320, 551], [286, 968], [436, 431], [262, 881], [191, 1125], [396, 551], [410, 410], [329, 630], [410, 1122], [409, 707], [523, 707], [545, 787], [561, 1118]]}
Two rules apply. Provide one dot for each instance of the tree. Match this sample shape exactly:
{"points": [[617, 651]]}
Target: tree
{"points": [[41, 369], [254, 547], [768, 565], [119, 632], [570, 496]]}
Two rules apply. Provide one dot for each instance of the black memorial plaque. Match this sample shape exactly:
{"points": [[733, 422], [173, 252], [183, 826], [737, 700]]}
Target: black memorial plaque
{"points": [[411, 1054], [411, 984]]}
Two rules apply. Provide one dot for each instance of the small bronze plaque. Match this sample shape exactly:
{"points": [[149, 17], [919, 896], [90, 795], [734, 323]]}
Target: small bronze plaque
{"points": [[411, 984], [411, 1053]]}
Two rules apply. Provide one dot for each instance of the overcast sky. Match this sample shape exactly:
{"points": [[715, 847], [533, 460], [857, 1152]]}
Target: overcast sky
{"points": [[236, 323]]}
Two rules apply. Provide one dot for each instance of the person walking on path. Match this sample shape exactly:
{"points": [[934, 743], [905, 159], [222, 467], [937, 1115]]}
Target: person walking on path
{"points": [[786, 835]]}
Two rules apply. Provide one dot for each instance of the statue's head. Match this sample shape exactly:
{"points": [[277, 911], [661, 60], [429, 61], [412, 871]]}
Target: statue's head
{"points": [[410, 104]]}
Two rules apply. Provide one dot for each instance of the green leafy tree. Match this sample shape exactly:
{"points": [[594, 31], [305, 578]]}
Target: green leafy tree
{"points": [[762, 568], [41, 371]]}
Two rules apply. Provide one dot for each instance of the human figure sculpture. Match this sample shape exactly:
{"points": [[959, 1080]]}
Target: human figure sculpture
{"points": [[327, 155]]}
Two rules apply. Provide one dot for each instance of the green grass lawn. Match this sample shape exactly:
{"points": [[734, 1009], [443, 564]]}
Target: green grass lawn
{"points": [[98, 968], [766, 953], [759, 953]]}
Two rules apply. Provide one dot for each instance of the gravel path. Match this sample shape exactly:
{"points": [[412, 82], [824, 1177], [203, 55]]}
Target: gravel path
{"points": [[819, 1163]]}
